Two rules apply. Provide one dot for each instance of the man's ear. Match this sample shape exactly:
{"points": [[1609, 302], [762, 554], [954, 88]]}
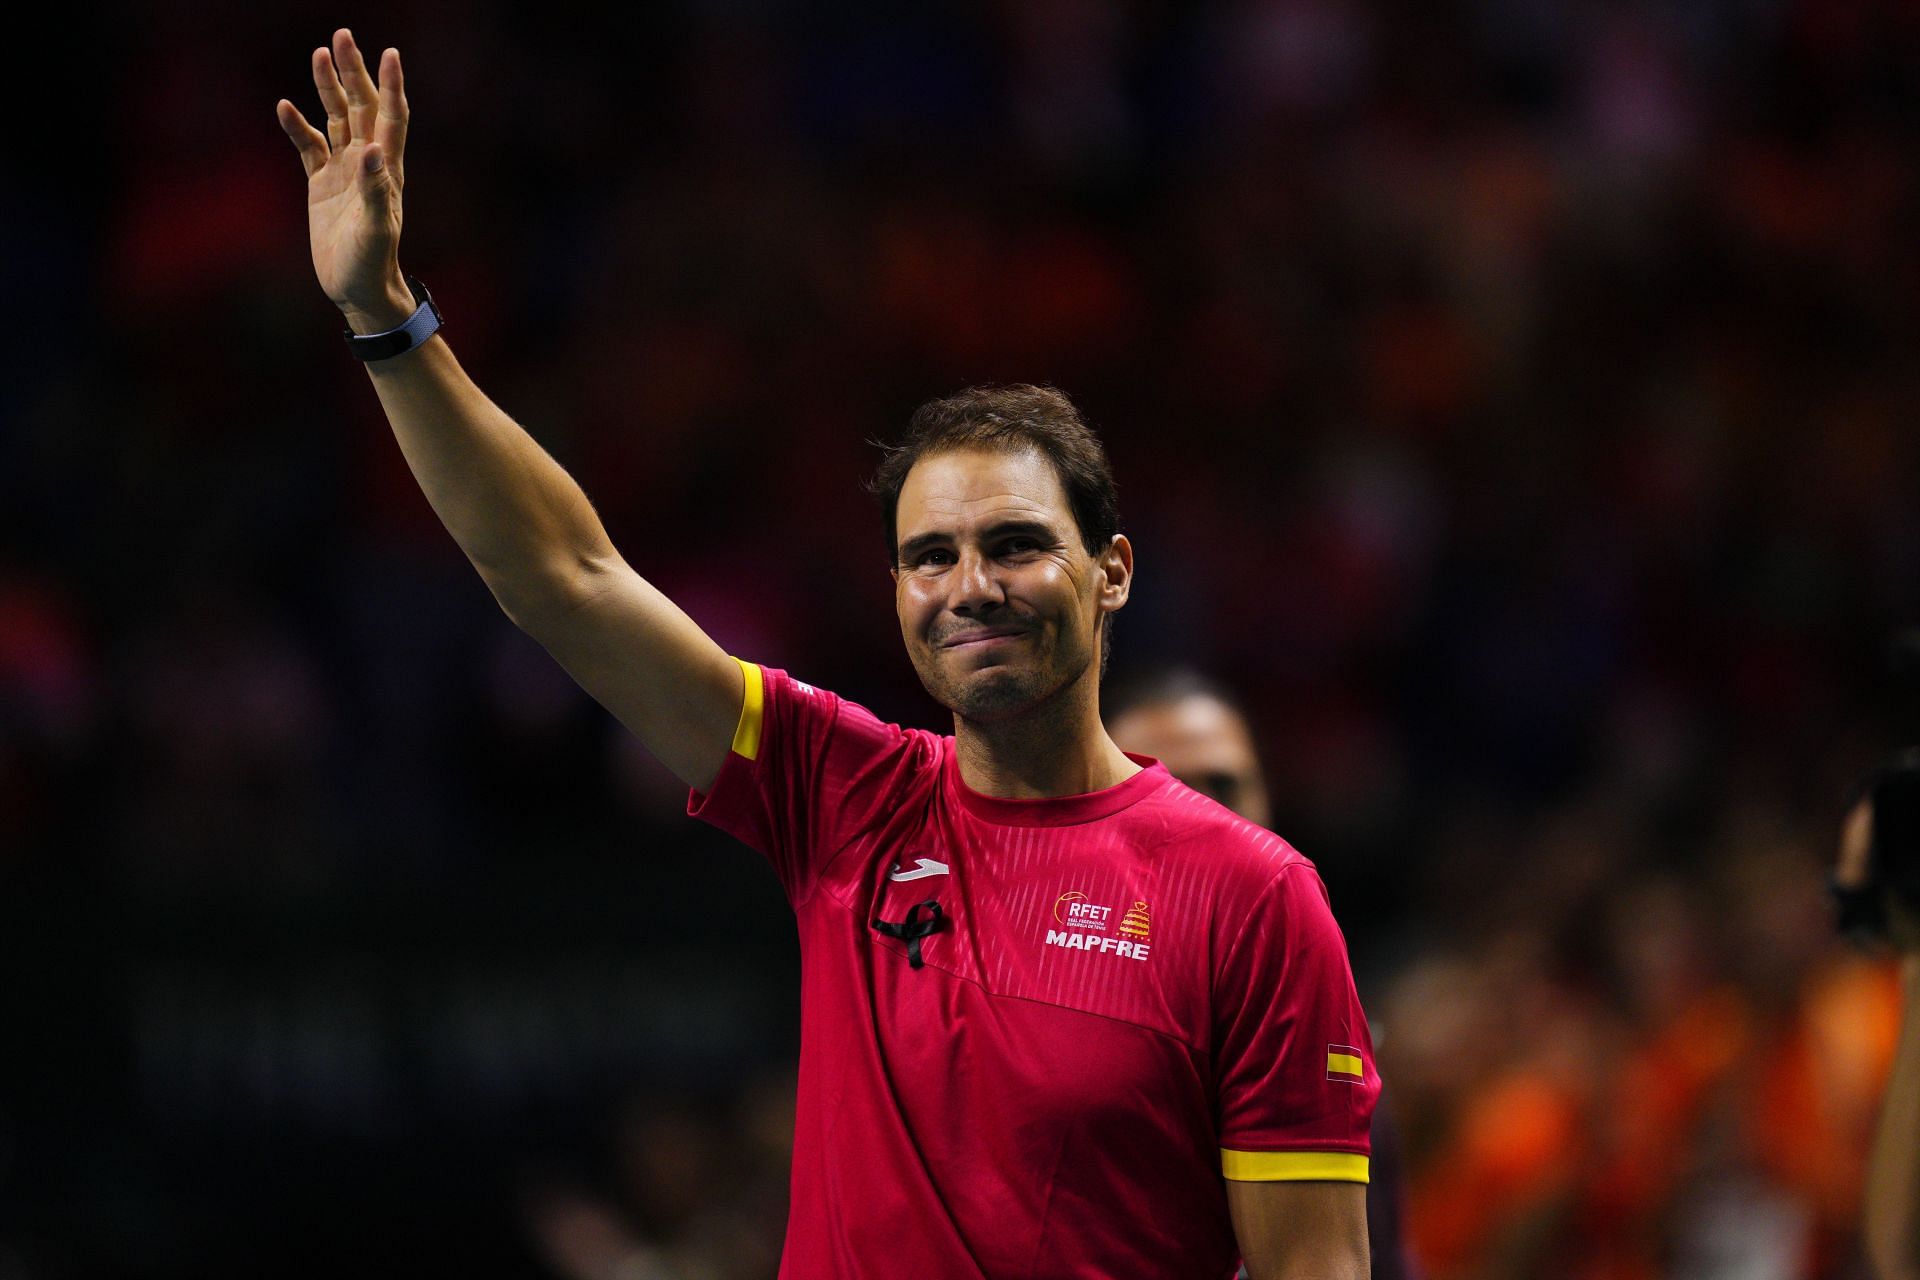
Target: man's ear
{"points": [[1116, 569]]}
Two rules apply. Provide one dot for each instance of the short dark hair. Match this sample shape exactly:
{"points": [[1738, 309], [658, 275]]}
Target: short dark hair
{"points": [[1007, 419]]}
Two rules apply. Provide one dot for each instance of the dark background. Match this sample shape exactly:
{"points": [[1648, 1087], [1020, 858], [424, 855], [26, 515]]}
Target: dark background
{"points": [[1514, 401]]}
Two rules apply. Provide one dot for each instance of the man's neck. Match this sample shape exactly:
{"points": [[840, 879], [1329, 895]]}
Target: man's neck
{"points": [[1058, 748]]}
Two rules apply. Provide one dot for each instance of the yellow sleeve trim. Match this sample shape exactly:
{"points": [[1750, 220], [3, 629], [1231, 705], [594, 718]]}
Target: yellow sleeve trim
{"points": [[1293, 1166], [746, 734]]}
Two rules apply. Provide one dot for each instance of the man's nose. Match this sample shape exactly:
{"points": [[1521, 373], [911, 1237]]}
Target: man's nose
{"points": [[975, 585]]}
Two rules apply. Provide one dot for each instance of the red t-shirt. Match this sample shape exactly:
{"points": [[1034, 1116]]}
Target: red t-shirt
{"points": [[1122, 995]]}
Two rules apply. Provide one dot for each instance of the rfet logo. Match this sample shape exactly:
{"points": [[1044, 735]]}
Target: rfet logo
{"points": [[1086, 920], [1077, 911]]}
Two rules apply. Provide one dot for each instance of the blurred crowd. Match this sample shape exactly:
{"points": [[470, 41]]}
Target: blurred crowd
{"points": [[1620, 1070], [1512, 400]]}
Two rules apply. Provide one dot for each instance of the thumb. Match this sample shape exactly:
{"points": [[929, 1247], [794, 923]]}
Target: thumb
{"points": [[377, 181]]}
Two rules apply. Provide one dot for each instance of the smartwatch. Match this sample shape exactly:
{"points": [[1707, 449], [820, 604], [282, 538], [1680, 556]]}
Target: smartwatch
{"points": [[421, 325]]}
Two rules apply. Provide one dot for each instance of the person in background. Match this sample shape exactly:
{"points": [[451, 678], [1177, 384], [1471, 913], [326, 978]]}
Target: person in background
{"points": [[1892, 1204], [1196, 728]]}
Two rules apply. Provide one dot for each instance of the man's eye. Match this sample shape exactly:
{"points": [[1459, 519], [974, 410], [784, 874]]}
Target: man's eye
{"points": [[1018, 546], [935, 557]]}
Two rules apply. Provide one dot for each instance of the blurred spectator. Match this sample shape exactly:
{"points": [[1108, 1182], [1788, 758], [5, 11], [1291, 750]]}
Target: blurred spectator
{"points": [[1690, 1096], [1871, 861], [699, 1195], [1194, 727]]}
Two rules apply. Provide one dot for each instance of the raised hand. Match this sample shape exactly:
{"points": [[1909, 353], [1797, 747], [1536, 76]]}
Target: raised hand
{"points": [[355, 171]]}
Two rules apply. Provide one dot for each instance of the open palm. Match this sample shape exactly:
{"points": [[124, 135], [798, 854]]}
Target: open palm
{"points": [[355, 171]]}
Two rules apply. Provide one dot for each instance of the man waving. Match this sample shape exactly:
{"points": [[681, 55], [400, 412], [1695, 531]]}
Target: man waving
{"points": [[1061, 1016]]}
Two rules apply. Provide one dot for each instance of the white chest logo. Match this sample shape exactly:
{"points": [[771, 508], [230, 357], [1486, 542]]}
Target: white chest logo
{"points": [[927, 867], [1087, 922]]}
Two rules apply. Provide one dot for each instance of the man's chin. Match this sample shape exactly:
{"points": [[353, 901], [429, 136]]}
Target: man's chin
{"points": [[999, 700], [991, 693]]}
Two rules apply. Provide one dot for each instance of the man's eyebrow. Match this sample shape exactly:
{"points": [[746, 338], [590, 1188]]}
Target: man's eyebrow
{"points": [[920, 542], [1036, 529]]}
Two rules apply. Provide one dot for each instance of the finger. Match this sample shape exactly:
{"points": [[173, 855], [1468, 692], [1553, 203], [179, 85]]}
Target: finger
{"points": [[363, 102], [1856, 845], [307, 140], [333, 98], [391, 129]]}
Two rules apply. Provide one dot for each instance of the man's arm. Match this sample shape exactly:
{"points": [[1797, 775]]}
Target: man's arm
{"points": [[521, 520], [1301, 1230]]}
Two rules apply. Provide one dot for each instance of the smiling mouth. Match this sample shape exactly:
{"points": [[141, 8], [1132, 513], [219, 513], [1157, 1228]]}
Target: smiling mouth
{"points": [[973, 638]]}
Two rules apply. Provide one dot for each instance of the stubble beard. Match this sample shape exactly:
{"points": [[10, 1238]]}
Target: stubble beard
{"points": [[1002, 692]]}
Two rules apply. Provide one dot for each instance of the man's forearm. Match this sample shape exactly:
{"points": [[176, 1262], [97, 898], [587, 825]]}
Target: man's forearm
{"points": [[1893, 1174], [521, 519]]}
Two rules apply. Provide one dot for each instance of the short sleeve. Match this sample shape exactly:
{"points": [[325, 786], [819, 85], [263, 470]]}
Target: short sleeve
{"points": [[1295, 1066], [807, 772]]}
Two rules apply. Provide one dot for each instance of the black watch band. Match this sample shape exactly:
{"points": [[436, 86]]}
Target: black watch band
{"points": [[421, 325]]}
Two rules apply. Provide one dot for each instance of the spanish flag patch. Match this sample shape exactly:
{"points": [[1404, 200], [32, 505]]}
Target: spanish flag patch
{"points": [[1343, 1063]]}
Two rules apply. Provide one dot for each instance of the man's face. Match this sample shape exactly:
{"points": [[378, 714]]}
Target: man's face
{"points": [[999, 602], [1204, 743]]}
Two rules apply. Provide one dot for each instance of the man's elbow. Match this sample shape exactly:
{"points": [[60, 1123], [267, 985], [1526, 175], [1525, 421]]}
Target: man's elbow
{"points": [[536, 602]]}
